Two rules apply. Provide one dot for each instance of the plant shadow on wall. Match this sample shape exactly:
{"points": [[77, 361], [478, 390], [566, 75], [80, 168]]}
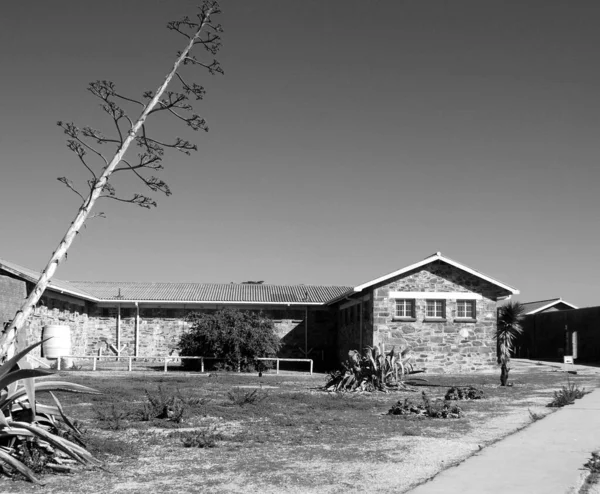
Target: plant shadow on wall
{"points": [[237, 338]]}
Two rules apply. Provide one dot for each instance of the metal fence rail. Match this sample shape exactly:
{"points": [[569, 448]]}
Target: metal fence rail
{"points": [[130, 359]]}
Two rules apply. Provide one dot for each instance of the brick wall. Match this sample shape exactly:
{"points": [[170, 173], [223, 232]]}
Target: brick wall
{"points": [[445, 346]]}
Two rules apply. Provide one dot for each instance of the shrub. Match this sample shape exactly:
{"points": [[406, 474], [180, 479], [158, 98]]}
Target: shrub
{"points": [[375, 370], [32, 435], [237, 337], [206, 438], [464, 393], [437, 409], [160, 405], [567, 395], [241, 398]]}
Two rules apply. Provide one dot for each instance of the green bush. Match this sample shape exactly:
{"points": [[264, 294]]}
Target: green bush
{"points": [[464, 393], [567, 395], [438, 409], [236, 337]]}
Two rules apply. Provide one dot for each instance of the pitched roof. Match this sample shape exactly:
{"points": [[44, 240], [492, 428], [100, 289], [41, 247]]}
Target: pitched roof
{"points": [[540, 305], [99, 291], [211, 292], [32, 276], [434, 257]]}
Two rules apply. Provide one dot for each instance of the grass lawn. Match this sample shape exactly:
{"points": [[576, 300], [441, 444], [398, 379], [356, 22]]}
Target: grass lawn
{"points": [[293, 438]]}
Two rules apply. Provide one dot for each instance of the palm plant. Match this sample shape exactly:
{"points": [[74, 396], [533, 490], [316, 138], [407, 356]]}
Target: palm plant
{"points": [[26, 425], [508, 328]]}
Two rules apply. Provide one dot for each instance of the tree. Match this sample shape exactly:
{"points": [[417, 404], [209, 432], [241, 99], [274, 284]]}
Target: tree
{"points": [[508, 328], [237, 337], [85, 143]]}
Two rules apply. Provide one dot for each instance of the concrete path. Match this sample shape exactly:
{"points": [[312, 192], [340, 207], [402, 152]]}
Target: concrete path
{"points": [[544, 458]]}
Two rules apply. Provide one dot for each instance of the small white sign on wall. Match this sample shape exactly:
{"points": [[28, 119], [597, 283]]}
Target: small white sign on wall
{"points": [[568, 359]]}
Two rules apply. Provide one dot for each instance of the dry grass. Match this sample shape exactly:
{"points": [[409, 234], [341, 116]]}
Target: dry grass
{"points": [[294, 438]]}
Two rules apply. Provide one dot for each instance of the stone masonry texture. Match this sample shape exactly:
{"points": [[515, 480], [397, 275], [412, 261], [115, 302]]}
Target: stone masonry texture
{"points": [[159, 335], [447, 346]]}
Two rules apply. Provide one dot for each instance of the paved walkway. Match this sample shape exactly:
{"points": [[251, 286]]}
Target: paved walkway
{"points": [[544, 458]]}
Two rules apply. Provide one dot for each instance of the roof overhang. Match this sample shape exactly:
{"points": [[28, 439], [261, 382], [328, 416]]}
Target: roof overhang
{"points": [[51, 286], [551, 304], [435, 257]]}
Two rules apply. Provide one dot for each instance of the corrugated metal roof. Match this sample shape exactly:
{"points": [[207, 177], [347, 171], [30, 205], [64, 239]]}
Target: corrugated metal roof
{"points": [[185, 292], [211, 292]]}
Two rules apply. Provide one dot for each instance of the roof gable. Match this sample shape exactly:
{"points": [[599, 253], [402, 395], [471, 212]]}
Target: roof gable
{"points": [[542, 305], [428, 260]]}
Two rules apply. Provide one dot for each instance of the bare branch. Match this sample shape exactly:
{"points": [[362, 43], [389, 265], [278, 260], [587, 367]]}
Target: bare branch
{"points": [[195, 89], [71, 130], [137, 199], [70, 185]]}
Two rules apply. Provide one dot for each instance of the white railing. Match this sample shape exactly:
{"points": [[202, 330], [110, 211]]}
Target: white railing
{"points": [[130, 359], [288, 360]]}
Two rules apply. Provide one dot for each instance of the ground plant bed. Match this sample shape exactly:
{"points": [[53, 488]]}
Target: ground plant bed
{"points": [[231, 432]]}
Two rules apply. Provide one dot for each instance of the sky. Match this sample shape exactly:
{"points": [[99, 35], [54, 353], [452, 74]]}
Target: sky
{"points": [[347, 139]]}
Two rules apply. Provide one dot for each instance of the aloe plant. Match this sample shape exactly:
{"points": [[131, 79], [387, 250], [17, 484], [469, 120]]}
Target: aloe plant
{"points": [[375, 370], [25, 423]]}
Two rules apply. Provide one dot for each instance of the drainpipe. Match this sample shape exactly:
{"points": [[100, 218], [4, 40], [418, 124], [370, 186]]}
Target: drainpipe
{"points": [[137, 329]]}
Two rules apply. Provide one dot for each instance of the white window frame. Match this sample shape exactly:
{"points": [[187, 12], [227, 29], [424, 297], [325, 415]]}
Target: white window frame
{"points": [[435, 303], [408, 308], [465, 304]]}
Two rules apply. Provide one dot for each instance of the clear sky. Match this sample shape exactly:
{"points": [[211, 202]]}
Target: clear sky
{"points": [[347, 139]]}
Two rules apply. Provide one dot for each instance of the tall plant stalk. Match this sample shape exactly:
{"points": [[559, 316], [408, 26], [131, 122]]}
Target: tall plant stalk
{"points": [[100, 183]]}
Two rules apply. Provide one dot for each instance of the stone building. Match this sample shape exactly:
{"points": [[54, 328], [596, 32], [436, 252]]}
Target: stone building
{"points": [[444, 311]]}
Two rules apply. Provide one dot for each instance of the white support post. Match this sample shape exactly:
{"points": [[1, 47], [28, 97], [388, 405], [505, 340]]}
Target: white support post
{"points": [[201, 364], [118, 330], [129, 365], [94, 363], [58, 363], [137, 329], [277, 366], [166, 363], [311, 367]]}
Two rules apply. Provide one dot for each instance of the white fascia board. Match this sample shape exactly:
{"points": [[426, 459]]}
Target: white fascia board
{"points": [[551, 304], [436, 257], [210, 302], [50, 286], [437, 295]]}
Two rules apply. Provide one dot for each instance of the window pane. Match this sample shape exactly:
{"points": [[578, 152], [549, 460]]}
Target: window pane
{"points": [[403, 308]]}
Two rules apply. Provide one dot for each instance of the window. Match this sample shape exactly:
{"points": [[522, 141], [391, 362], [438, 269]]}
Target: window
{"points": [[405, 308], [465, 309], [436, 309]]}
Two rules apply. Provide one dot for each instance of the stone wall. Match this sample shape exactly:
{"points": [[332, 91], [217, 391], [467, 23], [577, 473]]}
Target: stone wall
{"points": [[448, 345], [12, 295], [159, 336]]}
